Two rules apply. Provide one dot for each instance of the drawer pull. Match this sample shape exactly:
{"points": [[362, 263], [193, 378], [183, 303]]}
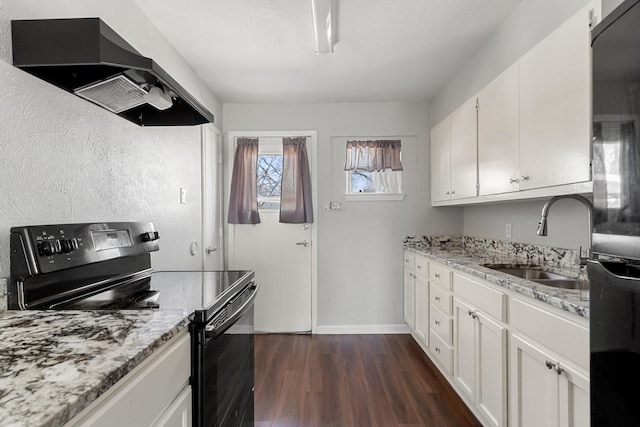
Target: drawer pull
{"points": [[437, 276], [437, 323], [419, 267], [437, 349], [437, 298]]}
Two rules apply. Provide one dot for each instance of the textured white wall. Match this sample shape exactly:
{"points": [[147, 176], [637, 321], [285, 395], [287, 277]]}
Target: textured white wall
{"points": [[359, 249], [62, 159]]}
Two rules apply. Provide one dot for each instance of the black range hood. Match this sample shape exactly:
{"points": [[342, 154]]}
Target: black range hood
{"points": [[86, 57]]}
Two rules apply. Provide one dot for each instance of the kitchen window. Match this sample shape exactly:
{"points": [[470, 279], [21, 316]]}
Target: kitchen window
{"points": [[373, 170], [269, 181]]}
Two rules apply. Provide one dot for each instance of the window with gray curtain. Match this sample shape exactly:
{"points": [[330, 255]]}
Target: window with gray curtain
{"points": [[373, 156], [373, 167], [243, 200], [295, 201]]}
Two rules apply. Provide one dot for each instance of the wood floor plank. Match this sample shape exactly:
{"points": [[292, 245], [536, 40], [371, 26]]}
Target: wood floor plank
{"points": [[351, 380]]}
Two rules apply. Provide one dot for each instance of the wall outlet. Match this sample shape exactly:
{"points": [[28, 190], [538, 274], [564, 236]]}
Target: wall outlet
{"points": [[508, 231], [335, 206]]}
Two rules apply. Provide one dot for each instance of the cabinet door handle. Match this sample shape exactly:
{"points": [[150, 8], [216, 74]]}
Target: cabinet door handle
{"points": [[438, 349], [437, 298], [550, 364], [558, 369], [473, 313], [437, 323], [437, 276], [525, 177], [453, 192], [446, 193], [513, 180]]}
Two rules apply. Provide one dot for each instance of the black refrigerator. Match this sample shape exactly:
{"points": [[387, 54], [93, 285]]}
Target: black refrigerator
{"points": [[614, 270]]}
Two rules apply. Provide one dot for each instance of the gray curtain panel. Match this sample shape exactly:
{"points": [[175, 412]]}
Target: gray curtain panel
{"points": [[373, 156], [243, 201], [295, 201]]}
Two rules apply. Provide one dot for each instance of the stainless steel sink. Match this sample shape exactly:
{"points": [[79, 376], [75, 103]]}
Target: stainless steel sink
{"points": [[529, 273], [582, 285], [536, 274]]}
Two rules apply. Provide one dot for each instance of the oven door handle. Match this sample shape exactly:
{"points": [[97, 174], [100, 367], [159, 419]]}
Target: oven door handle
{"points": [[214, 331]]}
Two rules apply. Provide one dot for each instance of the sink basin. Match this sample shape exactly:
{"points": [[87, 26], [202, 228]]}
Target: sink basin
{"points": [[582, 285], [529, 273]]}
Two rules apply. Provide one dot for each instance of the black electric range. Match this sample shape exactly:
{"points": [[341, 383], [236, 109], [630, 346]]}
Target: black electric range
{"points": [[107, 266]]}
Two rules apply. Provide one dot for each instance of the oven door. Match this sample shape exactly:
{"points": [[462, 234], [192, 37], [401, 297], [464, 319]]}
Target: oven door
{"points": [[615, 343], [223, 377]]}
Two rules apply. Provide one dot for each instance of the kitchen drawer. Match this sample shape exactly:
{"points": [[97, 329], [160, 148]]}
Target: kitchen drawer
{"points": [[486, 299], [440, 298], [442, 352], [421, 267], [409, 259], [441, 324], [441, 275], [557, 333]]}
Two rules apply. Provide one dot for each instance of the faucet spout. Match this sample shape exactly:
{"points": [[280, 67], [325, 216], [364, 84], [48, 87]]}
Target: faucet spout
{"points": [[542, 225]]}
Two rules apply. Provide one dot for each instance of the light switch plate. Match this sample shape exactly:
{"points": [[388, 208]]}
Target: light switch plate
{"points": [[183, 195], [508, 231]]}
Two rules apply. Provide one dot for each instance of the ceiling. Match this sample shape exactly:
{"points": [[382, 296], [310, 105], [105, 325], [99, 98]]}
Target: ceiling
{"points": [[262, 51]]}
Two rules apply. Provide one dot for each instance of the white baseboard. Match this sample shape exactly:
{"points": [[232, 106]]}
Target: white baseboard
{"points": [[361, 329]]}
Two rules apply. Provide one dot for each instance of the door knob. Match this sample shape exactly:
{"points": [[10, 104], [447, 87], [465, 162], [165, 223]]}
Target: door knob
{"points": [[304, 243], [210, 249]]}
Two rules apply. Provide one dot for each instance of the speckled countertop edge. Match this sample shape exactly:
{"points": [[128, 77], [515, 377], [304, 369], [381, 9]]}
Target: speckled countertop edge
{"points": [[53, 364], [458, 259]]}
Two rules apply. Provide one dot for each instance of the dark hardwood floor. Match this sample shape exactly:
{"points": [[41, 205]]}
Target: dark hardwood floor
{"points": [[351, 380]]}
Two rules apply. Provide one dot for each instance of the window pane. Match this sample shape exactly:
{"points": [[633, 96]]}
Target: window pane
{"points": [[361, 182], [383, 182], [269, 180]]}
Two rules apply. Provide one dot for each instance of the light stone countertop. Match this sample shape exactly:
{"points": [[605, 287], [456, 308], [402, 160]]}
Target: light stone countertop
{"points": [[472, 263], [53, 364]]}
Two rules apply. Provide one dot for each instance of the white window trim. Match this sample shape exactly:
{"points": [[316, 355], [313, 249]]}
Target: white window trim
{"points": [[374, 197]]}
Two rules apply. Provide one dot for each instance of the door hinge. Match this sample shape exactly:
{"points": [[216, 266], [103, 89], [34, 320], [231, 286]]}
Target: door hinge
{"points": [[593, 18]]}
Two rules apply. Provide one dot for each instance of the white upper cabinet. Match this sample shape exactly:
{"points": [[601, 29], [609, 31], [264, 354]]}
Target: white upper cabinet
{"points": [[464, 151], [555, 107], [441, 161], [454, 155], [499, 134], [530, 136]]}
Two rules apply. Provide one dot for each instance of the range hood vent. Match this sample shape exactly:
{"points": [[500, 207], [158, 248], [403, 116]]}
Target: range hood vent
{"points": [[86, 57]]}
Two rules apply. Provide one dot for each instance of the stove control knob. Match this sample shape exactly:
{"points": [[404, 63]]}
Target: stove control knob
{"points": [[68, 245], [49, 247], [149, 236]]}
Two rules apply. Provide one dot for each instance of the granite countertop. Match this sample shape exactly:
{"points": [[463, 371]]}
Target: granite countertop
{"points": [[53, 364], [471, 262]]}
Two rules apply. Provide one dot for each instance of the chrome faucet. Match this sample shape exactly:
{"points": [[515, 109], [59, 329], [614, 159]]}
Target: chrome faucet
{"points": [[542, 225]]}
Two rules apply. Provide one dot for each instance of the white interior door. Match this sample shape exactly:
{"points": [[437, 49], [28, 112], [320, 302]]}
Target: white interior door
{"points": [[212, 203], [282, 255]]}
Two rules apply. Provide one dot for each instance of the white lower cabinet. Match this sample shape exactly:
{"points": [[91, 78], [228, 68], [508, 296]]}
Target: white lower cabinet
{"points": [[409, 298], [421, 326], [514, 361], [545, 391], [480, 368], [416, 296], [155, 393], [549, 371]]}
